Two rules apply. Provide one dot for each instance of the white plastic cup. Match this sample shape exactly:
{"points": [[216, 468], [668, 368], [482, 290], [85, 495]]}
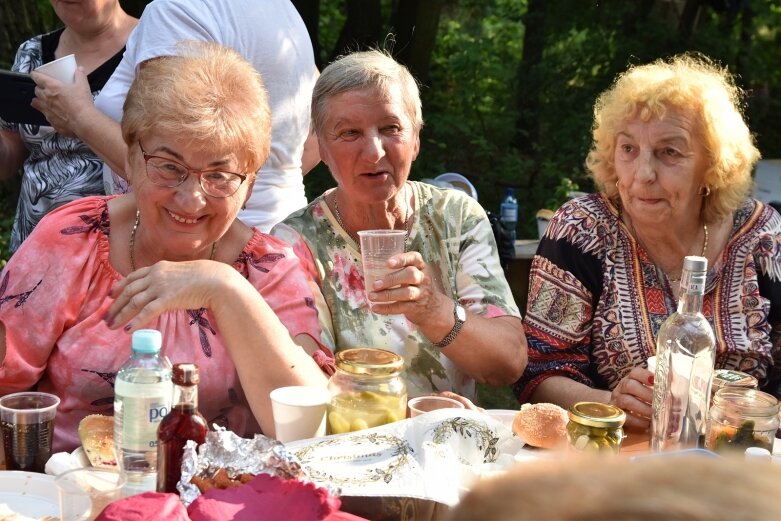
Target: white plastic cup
{"points": [[299, 412], [62, 69], [651, 361], [85, 492], [377, 246], [424, 404]]}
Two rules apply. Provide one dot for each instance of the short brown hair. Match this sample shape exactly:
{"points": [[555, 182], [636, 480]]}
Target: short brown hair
{"points": [[207, 93]]}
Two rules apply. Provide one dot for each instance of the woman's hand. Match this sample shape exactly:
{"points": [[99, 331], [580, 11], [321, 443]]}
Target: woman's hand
{"points": [[60, 102], [409, 290], [148, 292], [466, 402], [634, 394]]}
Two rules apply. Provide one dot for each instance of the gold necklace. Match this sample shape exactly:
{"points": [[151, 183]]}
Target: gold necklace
{"points": [[133, 243], [357, 241], [704, 249]]}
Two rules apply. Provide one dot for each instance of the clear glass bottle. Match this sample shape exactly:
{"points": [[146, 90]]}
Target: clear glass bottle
{"points": [[142, 397], [367, 390], [741, 418], [685, 356], [182, 424], [508, 212]]}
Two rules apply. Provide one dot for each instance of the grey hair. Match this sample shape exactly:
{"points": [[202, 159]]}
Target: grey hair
{"points": [[373, 69]]}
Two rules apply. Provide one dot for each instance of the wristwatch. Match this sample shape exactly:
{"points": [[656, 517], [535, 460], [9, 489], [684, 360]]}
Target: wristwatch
{"points": [[459, 313]]}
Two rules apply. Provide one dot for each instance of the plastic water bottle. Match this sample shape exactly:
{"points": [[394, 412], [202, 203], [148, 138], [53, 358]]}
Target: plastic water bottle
{"points": [[685, 356], [142, 397], [508, 213]]}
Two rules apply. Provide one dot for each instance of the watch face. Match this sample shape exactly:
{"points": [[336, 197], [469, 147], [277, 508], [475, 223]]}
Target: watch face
{"points": [[460, 312]]}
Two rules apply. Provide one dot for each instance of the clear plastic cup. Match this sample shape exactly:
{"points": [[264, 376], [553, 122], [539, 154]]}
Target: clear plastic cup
{"points": [[28, 429], [85, 492], [377, 246]]}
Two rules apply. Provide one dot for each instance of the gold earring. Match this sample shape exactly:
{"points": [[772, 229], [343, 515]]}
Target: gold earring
{"points": [[616, 183]]}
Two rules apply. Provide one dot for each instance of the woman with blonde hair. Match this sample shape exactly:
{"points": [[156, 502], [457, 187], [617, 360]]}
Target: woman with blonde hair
{"points": [[672, 158], [170, 256]]}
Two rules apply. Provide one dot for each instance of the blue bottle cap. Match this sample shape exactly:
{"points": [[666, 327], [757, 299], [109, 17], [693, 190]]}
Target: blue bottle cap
{"points": [[147, 341]]}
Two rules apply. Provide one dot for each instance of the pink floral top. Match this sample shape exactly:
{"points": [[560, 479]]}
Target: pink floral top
{"points": [[53, 296]]}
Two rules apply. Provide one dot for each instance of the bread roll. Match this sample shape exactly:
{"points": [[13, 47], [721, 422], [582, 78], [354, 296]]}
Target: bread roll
{"points": [[541, 425], [96, 433]]}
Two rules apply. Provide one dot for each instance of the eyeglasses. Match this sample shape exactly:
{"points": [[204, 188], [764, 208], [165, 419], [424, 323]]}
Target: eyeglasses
{"points": [[163, 171]]}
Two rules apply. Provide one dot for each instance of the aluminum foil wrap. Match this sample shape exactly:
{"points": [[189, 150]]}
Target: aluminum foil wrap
{"points": [[225, 450]]}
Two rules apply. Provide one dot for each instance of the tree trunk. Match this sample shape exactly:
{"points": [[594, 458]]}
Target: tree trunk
{"points": [[528, 78], [689, 16], [415, 23], [362, 28], [310, 13], [21, 20]]}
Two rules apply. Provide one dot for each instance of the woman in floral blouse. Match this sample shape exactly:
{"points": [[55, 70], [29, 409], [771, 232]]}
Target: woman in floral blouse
{"points": [[447, 308], [170, 256]]}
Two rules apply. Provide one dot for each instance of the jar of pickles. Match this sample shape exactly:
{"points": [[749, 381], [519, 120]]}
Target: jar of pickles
{"points": [[366, 391], [741, 418], [596, 427]]}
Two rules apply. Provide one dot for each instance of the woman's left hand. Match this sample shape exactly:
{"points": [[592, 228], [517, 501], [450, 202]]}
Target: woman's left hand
{"points": [[409, 290], [634, 394], [148, 292], [61, 102]]}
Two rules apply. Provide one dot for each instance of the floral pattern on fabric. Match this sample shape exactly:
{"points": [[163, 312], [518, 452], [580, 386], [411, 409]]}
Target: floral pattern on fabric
{"points": [[452, 233], [54, 295], [597, 301]]}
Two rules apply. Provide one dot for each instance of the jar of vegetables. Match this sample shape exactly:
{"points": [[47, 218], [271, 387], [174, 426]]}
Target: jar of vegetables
{"points": [[367, 390], [596, 427], [741, 418]]}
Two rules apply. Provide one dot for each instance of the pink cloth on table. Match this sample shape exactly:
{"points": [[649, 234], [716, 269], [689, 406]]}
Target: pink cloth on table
{"points": [[268, 498], [149, 506], [54, 295]]}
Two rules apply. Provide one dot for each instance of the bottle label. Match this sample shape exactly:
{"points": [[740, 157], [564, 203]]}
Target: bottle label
{"points": [[141, 407], [509, 213]]}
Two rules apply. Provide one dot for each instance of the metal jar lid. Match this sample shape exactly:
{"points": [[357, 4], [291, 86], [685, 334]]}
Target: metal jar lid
{"points": [[595, 414], [369, 361], [728, 378]]}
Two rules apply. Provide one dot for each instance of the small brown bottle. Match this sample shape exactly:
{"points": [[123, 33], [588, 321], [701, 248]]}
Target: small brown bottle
{"points": [[183, 423]]}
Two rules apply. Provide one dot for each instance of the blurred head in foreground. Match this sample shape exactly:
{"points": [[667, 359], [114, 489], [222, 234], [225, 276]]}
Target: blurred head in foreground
{"points": [[690, 488]]}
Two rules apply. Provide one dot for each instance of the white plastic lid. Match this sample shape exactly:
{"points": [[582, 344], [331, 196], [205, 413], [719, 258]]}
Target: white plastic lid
{"points": [[758, 453], [147, 341]]}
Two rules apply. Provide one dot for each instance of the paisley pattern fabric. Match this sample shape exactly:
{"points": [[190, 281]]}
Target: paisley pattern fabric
{"points": [[597, 301], [452, 233], [58, 169], [54, 295]]}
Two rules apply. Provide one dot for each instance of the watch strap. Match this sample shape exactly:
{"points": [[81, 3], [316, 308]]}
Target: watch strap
{"points": [[453, 332]]}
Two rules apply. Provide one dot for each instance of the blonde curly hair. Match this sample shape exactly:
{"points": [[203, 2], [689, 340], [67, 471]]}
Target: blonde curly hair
{"points": [[694, 84]]}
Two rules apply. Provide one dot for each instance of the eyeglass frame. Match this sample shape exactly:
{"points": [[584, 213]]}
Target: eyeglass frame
{"points": [[189, 171]]}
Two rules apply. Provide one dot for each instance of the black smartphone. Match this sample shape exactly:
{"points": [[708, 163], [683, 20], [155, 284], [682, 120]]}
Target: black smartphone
{"points": [[17, 90]]}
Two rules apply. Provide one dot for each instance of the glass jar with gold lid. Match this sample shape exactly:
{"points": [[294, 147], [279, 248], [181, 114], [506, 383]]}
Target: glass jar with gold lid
{"points": [[596, 427], [367, 390]]}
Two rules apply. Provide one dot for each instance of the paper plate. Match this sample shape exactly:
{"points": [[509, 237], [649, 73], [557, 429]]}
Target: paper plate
{"points": [[29, 493]]}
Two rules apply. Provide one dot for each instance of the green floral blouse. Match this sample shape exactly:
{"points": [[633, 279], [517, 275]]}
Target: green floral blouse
{"points": [[452, 233]]}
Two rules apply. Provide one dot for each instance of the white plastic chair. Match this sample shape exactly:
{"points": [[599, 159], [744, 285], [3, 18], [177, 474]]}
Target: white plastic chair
{"points": [[459, 182]]}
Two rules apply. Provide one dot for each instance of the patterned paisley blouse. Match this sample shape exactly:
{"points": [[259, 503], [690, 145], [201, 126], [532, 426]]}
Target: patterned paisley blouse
{"points": [[596, 300], [452, 233], [54, 295]]}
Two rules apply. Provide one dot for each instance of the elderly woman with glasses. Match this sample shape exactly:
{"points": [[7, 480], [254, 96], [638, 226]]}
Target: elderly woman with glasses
{"points": [[169, 256]]}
